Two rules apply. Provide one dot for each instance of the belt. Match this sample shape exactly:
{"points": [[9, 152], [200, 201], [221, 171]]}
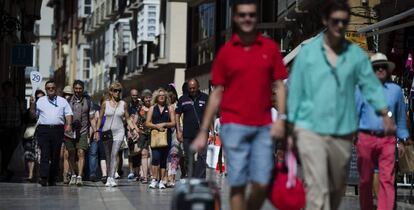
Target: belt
{"points": [[373, 133], [50, 126]]}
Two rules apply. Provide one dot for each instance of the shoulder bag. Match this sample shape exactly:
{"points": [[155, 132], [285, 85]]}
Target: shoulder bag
{"points": [[107, 135], [159, 138]]}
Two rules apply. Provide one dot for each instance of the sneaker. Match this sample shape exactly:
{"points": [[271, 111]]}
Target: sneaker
{"points": [[161, 185], [131, 175], [66, 179], [72, 180], [104, 179], [153, 184], [113, 183], [117, 176], [109, 182], [79, 181]]}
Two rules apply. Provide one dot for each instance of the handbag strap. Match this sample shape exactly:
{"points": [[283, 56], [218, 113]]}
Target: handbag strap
{"points": [[112, 120]]}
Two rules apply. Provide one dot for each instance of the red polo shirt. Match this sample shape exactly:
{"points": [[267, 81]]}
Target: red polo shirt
{"points": [[247, 74]]}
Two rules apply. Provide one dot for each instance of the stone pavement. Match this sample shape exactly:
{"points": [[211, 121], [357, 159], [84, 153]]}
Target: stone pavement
{"points": [[95, 196]]}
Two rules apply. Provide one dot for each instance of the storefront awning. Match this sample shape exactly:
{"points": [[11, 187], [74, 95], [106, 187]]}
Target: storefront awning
{"points": [[375, 28]]}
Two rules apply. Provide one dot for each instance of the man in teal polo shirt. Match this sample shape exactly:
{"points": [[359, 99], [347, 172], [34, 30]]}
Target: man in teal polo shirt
{"points": [[321, 106]]}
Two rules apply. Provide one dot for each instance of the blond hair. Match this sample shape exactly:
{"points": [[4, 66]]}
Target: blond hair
{"points": [[156, 94], [115, 85]]}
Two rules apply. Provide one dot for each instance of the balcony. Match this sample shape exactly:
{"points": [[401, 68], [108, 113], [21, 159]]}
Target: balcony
{"points": [[110, 9]]}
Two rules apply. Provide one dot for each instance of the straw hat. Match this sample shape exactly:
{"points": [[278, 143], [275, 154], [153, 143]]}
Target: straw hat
{"points": [[381, 59], [68, 90]]}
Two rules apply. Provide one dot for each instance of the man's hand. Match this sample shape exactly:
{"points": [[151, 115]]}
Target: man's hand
{"points": [[68, 128], [179, 135], [389, 126], [200, 141], [278, 129], [32, 100]]}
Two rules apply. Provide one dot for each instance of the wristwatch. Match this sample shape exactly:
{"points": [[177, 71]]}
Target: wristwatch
{"points": [[281, 116], [389, 114]]}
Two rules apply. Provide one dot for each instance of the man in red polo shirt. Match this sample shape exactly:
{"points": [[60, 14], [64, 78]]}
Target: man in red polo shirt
{"points": [[243, 73]]}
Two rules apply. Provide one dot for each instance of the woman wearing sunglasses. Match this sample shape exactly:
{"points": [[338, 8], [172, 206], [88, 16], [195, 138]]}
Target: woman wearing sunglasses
{"points": [[116, 112]]}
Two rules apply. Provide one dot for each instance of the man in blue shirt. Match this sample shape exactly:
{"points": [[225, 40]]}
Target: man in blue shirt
{"points": [[373, 146]]}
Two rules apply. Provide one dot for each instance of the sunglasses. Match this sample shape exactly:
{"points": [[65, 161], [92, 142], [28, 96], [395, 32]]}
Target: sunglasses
{"points": [[245, 14], [336, 21], [382, 67], [50, 88], [116, 90]]}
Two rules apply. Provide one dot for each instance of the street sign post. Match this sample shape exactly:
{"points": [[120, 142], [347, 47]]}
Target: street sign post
{"points": [[35, 79]]}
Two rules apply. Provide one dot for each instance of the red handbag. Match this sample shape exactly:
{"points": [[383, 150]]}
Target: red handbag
{"points": [[287, 192]]}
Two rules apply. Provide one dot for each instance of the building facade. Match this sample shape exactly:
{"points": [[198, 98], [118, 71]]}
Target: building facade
{"points": [[42, 55], [18, 19]]}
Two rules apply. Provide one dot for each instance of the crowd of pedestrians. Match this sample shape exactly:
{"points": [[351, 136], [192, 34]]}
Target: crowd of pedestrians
{"points": [[336, 96]]}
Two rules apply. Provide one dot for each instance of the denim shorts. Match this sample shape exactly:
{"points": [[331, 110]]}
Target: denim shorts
{"points": [[248, 152]]}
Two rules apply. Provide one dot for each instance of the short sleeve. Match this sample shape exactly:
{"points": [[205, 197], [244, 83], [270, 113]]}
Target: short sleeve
{"points": [[67, 110], [218, 70], [279, 69], [179, 108]]}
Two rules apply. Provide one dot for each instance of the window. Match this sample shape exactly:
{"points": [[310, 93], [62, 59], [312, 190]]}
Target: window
{"points": [[87, 9], [151, 35], [151, 28], [151, 21], [152, 7], [86, 63], [152, 14]]}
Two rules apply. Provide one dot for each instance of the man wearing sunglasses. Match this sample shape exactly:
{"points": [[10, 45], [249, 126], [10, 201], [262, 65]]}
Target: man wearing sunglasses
{"points": [[374, 148], [321, 103], [248, 65], [53, 113]]}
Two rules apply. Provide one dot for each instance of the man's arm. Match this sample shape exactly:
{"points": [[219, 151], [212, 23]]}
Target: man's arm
{"points": [[278, 127], [401, 118], [372, 91], [178, 127], [211, 110]]}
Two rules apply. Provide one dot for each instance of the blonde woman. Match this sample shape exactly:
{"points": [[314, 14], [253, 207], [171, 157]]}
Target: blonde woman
{"points": [[116, 112], [160, 117]]}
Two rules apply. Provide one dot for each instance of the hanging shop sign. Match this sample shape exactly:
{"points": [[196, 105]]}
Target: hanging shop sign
{"points": [[359, 39]]}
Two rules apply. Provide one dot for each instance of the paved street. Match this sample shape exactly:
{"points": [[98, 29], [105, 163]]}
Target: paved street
{"points": [[94, 196]]}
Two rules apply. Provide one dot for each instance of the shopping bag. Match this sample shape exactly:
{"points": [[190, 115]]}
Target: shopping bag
{"points": [[212, 155], [159, 139], [406, 162], [287, 192], [16, 164]]}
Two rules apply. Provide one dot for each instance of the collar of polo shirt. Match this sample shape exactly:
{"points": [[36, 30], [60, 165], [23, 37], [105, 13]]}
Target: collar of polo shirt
{"points": [[235, 39]]}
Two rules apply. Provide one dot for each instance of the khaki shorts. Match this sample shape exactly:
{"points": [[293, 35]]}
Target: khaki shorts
{"points": [[78, 143]]}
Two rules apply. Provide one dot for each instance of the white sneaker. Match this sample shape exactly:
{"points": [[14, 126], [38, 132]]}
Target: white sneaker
{"points": [[161, 185], [153, 184], [72, 180], [113, 183], [117, 175], [109, 182]]}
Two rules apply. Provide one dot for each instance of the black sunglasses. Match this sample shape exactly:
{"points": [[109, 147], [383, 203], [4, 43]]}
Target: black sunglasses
{"points": [[336, 21], [245, 14], [380, 67], [116, 90], [50, 88]]}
